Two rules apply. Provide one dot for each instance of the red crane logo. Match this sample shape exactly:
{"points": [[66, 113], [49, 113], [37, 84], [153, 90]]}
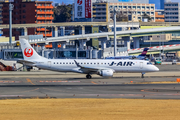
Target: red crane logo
{"points": [[79, 2], [28, 52]]}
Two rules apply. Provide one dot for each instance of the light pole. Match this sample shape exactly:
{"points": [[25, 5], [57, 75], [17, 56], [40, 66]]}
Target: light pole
{"points": [[115, 43], [11, 6]]}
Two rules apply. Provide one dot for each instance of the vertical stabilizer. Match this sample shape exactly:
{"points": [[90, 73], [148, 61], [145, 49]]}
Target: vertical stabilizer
{"points": [[144, 52], [28, 52]]}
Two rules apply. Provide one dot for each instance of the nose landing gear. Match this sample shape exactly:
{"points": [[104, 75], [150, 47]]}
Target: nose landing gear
{"points": [[88, 76]]}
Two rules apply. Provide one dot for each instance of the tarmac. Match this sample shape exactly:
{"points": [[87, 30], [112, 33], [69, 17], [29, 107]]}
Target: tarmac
{"points": [[48, 84]]}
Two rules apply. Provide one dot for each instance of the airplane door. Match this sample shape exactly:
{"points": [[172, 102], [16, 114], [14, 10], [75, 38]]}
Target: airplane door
{"points": [[49, 64], [141, 65]]}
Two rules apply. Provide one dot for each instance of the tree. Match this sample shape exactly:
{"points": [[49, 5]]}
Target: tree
{"points": [[145, 16], [62, 13], [120, 17]]}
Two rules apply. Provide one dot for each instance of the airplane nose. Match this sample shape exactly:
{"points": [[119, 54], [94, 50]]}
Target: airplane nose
{"points": [[156, 68]]}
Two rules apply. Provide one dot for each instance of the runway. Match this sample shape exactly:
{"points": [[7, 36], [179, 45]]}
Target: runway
{"points": [[63, 85]]}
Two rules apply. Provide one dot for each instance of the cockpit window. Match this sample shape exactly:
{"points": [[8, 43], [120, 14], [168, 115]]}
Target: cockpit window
{"points": [[148, 63]]}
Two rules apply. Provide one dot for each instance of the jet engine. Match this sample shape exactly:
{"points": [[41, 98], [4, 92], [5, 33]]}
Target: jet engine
{"points": [[106, 73]]}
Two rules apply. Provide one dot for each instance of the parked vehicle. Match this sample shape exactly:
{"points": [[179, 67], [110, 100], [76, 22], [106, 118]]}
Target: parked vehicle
{"points": [[174, 62], [158, 61]]}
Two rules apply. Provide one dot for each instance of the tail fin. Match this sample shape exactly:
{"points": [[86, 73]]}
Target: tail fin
{"points": [[144, 52], [28, 52]]}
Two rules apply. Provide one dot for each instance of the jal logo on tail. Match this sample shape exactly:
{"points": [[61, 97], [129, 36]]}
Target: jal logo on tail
{"points": [[28, 52]]}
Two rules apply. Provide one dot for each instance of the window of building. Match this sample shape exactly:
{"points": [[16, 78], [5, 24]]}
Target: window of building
{"points": [[124, 7], [24, 5], [139, 18], [134, 7], [143, 7], [147, 7], [24, 11], [120, 7], [24, 16], [138, 7], [152, 8], [129, 7], [152, 13]]}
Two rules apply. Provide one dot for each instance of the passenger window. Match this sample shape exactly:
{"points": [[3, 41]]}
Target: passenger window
{"points": [[60, 62], [72, 63], [69, 63], [94, 63], [57, 62], [87, 63], [81, 63], [97, 63], [66, 63], [54, 62], [84, 63], [63, 63], [101, 63], [91, 63]]}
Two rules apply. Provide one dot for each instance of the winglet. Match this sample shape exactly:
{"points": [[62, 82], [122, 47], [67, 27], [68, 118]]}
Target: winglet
{"points": [[77, 63]]}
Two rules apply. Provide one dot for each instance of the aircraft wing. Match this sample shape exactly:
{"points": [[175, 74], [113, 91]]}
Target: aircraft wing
{"points": [[90, 69]]}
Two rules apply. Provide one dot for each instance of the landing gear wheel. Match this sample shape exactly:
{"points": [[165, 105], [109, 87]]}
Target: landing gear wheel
{"points": [[142, 76], [88, 76]]}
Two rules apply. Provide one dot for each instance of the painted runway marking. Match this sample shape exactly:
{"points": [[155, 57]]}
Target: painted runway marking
{"points": [[59, 81], [28, 80], [93, 82], [10, 81], [10, 95]]}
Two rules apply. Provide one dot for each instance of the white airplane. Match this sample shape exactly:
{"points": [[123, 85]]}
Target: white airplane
{"points": [[102, 67]]}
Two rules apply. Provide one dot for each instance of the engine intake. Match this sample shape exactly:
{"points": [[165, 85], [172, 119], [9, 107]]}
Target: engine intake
{"points": [[106, 73]]}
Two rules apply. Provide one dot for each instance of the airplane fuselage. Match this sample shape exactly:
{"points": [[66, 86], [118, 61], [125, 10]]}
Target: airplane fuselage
{"points": [[69, 65]]}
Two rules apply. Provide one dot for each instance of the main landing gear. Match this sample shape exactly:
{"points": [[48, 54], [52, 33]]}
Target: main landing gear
{"points": [[88, 76], [142, 76]]}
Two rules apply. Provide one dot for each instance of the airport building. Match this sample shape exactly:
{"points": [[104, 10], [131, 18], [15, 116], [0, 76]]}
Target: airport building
{"points": [[28, 12], [172, 12]]}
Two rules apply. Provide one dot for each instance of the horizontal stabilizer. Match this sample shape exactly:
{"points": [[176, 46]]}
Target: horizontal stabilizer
{"points": [[25, 62]]}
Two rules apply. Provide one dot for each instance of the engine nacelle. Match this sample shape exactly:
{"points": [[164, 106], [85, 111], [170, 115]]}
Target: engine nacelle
{"points": [[106, 73]]}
